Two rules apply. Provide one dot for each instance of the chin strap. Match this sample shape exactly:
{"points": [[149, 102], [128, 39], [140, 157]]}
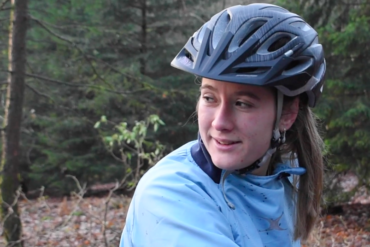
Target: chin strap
{"points": [[276, 140], [276, 137]]}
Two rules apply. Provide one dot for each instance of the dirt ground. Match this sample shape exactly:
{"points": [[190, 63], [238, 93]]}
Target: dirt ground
{"points": [[62, 223], [98, 221]]}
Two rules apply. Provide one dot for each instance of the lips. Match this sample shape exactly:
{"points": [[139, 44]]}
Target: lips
{"points": [[226, 142]]}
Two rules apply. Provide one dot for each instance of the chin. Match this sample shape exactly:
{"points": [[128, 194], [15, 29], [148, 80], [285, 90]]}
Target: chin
{"points": [[227, 164]]}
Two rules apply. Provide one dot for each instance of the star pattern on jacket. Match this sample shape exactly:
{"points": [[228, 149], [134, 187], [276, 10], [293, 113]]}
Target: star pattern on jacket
{"points": [[274, 224]]}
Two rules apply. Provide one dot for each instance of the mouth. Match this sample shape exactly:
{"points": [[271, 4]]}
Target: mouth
{"points": [[226, 142]]}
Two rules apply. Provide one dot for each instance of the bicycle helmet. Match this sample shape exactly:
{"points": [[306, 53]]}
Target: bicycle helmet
{"points": [[257, 44]]}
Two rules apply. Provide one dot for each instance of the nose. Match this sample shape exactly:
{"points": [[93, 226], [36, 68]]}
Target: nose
{"points": [[223, 120]]}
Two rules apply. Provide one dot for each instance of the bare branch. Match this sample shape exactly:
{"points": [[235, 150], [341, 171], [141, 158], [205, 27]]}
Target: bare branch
{"points": [[10, 206], [9, 8], [134, 5], [52, 32], [3, 4], [55, 81], [106, 212], [73, 44], [114, 69], [39, 93], [81, 85], [197, 17], [183, 5], [82, 189]]}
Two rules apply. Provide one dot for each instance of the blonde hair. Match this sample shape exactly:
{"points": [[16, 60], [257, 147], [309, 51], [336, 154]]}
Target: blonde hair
{"points": [[303, 141]]}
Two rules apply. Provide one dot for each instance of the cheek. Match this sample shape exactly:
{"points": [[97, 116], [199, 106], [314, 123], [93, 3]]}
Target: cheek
{"points": [[258, 126], [204, 118], [251, 127]]}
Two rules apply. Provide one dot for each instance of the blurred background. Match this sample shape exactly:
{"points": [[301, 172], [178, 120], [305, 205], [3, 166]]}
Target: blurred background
{"points": [[101, 103]]}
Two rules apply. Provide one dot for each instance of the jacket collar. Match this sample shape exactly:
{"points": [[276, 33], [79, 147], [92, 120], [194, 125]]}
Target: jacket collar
{"points": [[204, 161]]}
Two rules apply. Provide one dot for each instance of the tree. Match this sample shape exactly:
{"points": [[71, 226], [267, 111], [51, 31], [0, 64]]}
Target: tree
{"points": [[346, 109], [10, 178], [345, 106], [103, 58], [91, 60]]}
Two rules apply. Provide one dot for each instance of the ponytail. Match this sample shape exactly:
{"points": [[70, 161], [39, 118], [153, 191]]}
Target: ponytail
{"points": [[304, 142]]}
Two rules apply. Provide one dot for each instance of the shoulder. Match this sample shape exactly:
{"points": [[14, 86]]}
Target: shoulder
{"points": [[176, 169], [173, 205]]}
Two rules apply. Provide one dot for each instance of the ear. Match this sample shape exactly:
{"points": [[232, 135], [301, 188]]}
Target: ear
{"points": [[289, 114]]}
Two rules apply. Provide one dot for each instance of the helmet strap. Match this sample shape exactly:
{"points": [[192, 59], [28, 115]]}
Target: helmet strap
{"points": [[276, 139]]}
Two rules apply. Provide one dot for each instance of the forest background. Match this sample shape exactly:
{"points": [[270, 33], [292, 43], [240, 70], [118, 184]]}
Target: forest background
{"points": [[97, 103]]}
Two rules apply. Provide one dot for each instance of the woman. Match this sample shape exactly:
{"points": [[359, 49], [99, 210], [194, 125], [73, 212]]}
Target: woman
{"points": [[237, 185]]}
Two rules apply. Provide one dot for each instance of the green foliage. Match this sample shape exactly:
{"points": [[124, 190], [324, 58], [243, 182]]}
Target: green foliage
{"points": [[133, 147], [345, 106], [106, 58]]}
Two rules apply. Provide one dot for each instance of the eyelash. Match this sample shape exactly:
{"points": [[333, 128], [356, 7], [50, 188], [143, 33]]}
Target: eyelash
{"points": [[243, 104], [209, 99]]}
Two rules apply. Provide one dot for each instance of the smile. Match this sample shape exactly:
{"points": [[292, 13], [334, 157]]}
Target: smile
{"points": [[226, 142]]}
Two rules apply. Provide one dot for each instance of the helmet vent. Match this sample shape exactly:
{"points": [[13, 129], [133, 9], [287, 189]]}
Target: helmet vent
{"points": [[245, 32], [256, 26], [252, 70], [298, 66], [279, 43], [293, 64], [275, 42], [188, 55]]}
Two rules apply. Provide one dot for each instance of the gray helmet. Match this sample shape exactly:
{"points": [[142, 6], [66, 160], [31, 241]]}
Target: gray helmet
{"points": [[257, 44]]}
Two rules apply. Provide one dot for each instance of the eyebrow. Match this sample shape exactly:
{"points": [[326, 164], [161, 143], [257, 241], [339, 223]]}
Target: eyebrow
{"points": [[249, 94], [238, 93], [207, 87]]}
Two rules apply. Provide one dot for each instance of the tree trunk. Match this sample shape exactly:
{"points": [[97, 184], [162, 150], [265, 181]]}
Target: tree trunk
{"points": [[10, 178], [143, 49]]}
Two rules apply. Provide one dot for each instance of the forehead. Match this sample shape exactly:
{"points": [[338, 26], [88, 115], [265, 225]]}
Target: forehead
{"points": [[235, 88]]}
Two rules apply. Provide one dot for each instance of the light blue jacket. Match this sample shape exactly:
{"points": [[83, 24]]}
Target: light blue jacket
{"points": [[180, 202]]}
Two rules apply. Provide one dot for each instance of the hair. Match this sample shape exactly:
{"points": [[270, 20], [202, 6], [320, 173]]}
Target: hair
{"points": [[303, 141]]}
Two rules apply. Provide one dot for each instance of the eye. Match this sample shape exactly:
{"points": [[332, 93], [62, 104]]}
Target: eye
{"points": [[243, 104], [208, 98]]}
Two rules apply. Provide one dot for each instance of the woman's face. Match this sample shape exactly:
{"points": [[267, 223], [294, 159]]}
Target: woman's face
{"points": [[235, 122]]}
